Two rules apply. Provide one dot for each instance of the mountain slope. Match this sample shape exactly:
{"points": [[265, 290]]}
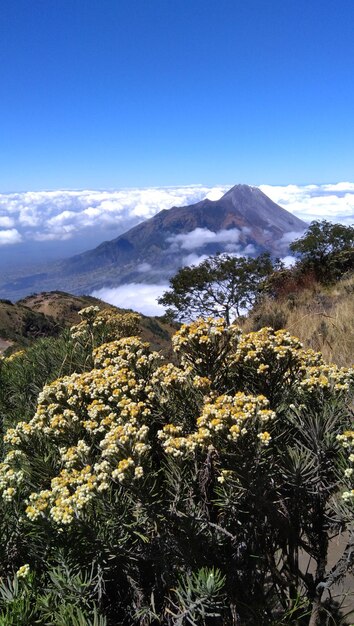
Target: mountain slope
{"points": [[243, 221], [321, 316], [47, 314], [20, 324]]}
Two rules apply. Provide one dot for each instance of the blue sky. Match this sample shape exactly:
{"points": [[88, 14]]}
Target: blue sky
{"points": [[132, 93]]}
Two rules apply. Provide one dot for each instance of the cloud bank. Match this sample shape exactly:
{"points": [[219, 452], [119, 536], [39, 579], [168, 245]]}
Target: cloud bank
{"points": [[333, 202], [137, 296], [198, 237], [60, 215], [57, 216], [9, 236]]}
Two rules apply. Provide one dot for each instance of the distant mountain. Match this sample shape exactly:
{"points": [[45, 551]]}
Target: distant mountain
{"points": [[243, 221]]}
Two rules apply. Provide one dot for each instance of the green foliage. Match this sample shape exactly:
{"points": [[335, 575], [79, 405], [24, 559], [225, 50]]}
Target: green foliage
{"points": [[17, 603], [68, 599], [64, 601], [220, 286], [24, 373], [197, 596], [327, 249]]}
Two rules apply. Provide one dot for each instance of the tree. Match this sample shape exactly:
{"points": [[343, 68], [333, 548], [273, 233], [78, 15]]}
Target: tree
{"points": [[222, 285], [327, 249]]}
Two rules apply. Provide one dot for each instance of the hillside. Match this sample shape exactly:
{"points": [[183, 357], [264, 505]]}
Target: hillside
{"points": [[243, 221], [59, 306], [320, 316], [46, 314], [21, 324]]}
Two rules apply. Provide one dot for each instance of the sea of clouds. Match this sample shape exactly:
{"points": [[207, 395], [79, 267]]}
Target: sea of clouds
{"points": [[61, 215], [36, 226]]}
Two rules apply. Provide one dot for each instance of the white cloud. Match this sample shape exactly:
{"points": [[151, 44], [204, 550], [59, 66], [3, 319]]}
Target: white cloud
{"points": [[198, 237], [6, 221], [346, 187], [333, 202], [250, 249], [9, 236], [62, 218], [290, 237], [137, 296], [216, 193], [288, 261], [144, 267], [231, 247], [194, 259], [66, 232], [59, 215]]}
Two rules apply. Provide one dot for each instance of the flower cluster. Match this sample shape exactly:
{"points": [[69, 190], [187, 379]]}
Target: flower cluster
{"points": [[104, 325], [202, 330], [19, 354], [222, 420], [346, 439], [23, 571], [266, 348], [131, 352], [11, 473], [99, 423], [327, 377], [204, 341]]}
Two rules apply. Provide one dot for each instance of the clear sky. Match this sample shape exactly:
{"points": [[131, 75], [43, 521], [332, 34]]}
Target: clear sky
{"points": [[122, 93]]}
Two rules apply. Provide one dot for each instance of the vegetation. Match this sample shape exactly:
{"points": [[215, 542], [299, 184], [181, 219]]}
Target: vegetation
{"points": [[327, 249], [314, 298], [142, 492], [320, 315], [226, 285], [221, 285]]}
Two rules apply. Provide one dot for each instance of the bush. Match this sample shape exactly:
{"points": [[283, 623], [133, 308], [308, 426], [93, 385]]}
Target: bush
{"points": [[190, 490]]}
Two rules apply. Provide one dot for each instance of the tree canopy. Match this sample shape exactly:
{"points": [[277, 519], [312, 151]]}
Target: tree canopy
{"points": [[327, 248], [222, 285]]}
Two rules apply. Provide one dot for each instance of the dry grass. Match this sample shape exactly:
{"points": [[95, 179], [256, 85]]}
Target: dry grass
{"points": [[322, 318]]}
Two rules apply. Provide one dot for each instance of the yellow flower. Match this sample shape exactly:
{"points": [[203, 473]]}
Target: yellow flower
{"points": [[264, 438], [23, 571]]}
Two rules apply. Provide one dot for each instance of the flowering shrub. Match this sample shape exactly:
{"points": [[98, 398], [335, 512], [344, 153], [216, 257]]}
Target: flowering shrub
{"points": [[97, 325], [97, 420], [158, 469]]}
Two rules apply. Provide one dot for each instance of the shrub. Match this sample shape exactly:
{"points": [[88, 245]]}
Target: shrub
{"points": [[191, 489]]}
